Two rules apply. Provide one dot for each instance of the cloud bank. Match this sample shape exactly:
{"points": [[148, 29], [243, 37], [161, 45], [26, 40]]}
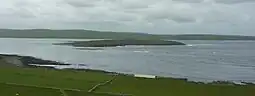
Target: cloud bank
{"points": [[149, 16]]}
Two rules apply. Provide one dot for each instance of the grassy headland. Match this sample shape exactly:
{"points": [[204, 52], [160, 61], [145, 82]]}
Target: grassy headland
{"points": [[113, 43]]}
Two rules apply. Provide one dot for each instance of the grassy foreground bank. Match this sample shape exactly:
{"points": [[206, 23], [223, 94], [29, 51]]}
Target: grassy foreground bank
{"points": [[49, 82]]}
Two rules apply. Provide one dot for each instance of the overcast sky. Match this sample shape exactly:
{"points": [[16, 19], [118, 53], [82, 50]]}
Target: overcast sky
{"points": [[149, 16]]}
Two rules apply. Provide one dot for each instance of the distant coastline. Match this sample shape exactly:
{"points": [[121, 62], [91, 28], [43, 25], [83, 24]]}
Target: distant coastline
{"points": [[91, 34]]}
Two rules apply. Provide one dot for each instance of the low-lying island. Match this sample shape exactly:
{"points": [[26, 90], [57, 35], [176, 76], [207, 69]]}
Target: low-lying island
{"points": [[124, 42]]}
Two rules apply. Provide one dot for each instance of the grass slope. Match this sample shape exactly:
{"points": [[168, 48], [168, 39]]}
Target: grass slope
{"points": [[173, 87], [14, 90], [53, 78], [70, 79]]}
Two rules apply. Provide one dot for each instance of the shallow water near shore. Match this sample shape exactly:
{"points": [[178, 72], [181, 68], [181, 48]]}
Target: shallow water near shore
{"points": [[198, 61]]}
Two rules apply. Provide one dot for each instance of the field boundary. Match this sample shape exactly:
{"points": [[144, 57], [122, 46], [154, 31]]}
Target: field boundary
{"points": [[27, 85], [62, 90], [105, 83], [113, 94], [102, 84]]}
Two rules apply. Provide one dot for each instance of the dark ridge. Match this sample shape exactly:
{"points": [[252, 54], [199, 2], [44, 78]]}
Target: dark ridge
{"points": [[114, 43], [93, 34]]}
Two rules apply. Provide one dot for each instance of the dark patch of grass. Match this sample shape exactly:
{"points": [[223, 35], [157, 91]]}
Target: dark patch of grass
{"points": [[20, 90], [14, 90], [85, 93], [173, 87], [52, 78]]}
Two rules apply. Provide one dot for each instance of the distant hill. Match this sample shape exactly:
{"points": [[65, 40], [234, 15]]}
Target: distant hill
{"points": [[90, 34], [83, 34], [207, 37]]}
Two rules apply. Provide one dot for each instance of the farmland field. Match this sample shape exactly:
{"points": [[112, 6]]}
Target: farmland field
{"points": [[50, 82]]}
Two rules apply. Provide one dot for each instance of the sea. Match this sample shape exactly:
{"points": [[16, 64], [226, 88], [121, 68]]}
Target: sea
{"points": [[199, 60]]}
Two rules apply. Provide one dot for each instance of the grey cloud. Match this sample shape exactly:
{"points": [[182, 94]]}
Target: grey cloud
{"points": [[81, 3], [132, 15], [18, 13], [23, 13], [78, 4], [133, 4], [189, 1], [180, 14], [233, 1], [180, 19], [216, 1]]}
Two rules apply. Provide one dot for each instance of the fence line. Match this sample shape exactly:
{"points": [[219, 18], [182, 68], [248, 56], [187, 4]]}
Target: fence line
{"points": [[113, 94], [102, 84], [55, 88], [108, 93], [63, 92]]}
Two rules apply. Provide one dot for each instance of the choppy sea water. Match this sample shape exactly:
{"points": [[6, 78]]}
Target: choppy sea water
{"points": [[198, 61]]}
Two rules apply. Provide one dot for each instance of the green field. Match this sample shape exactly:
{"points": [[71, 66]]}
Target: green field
{"points": [[49, 82], [173, 87]]}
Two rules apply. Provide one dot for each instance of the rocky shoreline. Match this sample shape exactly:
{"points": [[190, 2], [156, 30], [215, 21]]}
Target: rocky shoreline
{"points": [[25, 61]]}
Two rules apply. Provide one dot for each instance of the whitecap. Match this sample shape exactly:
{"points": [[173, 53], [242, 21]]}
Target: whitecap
{"points": [[141, 51], [190, 45]]}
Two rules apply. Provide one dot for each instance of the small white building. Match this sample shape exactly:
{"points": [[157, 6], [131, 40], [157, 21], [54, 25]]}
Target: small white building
{"points": [[144, 76]]}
